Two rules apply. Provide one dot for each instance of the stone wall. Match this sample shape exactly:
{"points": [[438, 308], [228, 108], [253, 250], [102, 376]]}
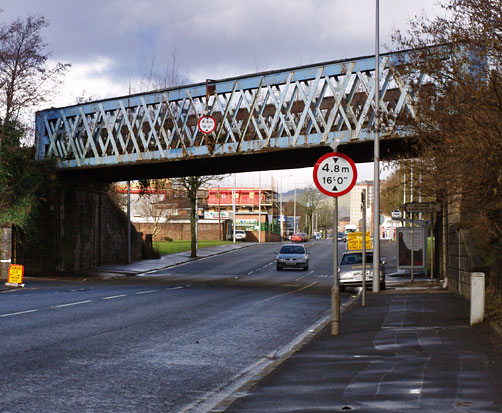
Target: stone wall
{"points": [[5, 249], [461, 256], [92, 230], [80, 228]]}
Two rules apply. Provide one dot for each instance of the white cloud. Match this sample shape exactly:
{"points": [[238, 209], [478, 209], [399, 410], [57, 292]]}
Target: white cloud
{"points": [[90, 79]]}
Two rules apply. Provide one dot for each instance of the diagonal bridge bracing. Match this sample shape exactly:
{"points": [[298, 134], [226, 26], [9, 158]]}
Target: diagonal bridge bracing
{"points": [[317, 106]]}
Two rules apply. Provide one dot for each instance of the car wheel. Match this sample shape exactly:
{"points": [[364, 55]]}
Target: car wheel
{"points": [[306, 268], [279, 268], [382, 285], [342, 288]]}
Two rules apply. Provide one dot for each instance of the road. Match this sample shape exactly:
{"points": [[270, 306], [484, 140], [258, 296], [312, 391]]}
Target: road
{"points": [[174, 340]]}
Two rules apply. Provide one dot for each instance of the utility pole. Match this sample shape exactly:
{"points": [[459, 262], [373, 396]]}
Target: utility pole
{"points": [[363, 209], [259, 209], [233, 207], [129, 255], [376, 160]]}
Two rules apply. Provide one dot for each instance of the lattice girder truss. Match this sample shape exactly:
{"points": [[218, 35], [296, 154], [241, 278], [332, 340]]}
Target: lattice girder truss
{"points": [[317, 105]]}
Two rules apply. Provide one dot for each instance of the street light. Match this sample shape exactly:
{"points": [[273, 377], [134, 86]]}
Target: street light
{"points": [[376, 158]]}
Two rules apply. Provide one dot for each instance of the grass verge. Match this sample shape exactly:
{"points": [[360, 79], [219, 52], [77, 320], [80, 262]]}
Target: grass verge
{"points": [[173, 247]]}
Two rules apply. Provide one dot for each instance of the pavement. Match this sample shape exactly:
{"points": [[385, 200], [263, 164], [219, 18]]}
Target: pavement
{"points": [[410, 349]]}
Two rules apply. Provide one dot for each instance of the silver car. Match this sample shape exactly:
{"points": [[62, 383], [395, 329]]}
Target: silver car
{"points": [[350, 272], [292, 256]]}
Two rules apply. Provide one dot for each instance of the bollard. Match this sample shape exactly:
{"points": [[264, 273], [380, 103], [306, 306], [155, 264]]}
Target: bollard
{"points": [[477, 297]]}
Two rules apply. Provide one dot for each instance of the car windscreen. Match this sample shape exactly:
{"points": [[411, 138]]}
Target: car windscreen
{"points": [[292, 249], [356, 258]]}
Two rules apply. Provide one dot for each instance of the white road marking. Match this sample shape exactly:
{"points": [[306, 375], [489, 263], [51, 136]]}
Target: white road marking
{"points": [[299, 278], [145, 292], [75, 303], [174, 288], [283, 295], [111, 297], [18, 313], [233, 388]]}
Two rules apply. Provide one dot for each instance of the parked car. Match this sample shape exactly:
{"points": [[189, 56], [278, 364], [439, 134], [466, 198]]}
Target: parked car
{"points": [[350, 270], [342, 237], [240, 235], [297, 237], [292, 256], [305, 237]]}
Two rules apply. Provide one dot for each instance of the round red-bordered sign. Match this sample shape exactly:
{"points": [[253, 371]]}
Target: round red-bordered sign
{"points": [[207, 124], [335, 174]]}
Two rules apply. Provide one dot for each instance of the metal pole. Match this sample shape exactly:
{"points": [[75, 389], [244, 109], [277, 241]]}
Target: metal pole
{"points": [[412, 248], [233, 206], [196, 225], [404, 197], [129, 222], [363, 208], [376, 161], [219, 215], [294, 212], [259, 209], [335, 290], [280, 212], [412, 230], [433, 246]]}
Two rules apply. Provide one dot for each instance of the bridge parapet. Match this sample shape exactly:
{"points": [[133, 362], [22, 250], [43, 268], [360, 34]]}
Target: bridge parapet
{"points": [[307, 106]]}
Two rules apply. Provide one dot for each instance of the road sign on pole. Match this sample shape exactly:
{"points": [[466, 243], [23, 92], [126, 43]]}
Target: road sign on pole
{"points": [[335, 174]]}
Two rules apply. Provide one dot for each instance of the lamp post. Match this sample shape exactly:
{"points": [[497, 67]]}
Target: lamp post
{"points": [[280, 212], [376, 158], [294, 212], [233, 207], [259, 210]]}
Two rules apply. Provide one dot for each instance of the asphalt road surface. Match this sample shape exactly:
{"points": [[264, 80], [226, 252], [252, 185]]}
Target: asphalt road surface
{"points": [[176, 340]]}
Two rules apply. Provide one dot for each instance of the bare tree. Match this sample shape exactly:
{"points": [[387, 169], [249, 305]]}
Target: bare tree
{"points": [[150, 206], [26, 80], [459, 114], [192, 185], [169, 75], [311, 199]]}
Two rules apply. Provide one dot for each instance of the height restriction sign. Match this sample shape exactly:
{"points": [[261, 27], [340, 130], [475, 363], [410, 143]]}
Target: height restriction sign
{"points": [[335, 174], [207, 124]]}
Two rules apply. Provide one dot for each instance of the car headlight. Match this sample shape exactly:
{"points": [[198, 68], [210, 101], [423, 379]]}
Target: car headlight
{"points": [[345, 274]]}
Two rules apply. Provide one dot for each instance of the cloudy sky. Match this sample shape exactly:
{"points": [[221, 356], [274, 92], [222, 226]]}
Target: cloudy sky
{"points": [[113, 44]]}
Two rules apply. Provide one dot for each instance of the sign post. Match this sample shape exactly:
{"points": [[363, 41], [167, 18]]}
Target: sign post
{"points": [[335, 174]]}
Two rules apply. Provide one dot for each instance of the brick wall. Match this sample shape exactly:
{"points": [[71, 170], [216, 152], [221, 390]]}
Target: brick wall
{"points": [[181, 230]]}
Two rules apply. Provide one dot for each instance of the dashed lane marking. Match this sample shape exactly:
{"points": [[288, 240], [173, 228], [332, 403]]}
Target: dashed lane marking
{"points": [[75, 303], [18, 313], [111, 297], [145, 292]]}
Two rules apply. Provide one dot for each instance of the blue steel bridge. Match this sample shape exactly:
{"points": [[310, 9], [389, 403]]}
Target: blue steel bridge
{"points": [[273, 120]]}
